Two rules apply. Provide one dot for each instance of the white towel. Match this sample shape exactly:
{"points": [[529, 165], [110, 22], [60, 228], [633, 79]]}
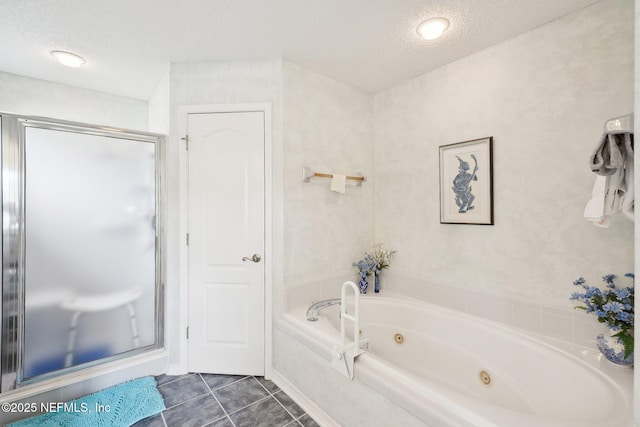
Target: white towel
{"points": [[628, 205], [612, 159], [606, 199], [339, 183], [594, 211], [615, 192]]}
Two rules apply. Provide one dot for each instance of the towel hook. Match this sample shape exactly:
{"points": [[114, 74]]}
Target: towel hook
{"points": [[623, 124]]}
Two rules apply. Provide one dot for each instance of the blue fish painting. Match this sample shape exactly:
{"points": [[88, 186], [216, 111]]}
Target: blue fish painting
{"points": [[462, 185]]}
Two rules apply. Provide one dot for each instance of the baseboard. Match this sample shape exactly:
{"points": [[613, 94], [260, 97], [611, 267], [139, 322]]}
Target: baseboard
{"points": [[308, 405]]}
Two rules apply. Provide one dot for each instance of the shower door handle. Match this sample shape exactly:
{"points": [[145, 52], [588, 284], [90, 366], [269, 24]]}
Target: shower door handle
{"points": [[254, 258]]}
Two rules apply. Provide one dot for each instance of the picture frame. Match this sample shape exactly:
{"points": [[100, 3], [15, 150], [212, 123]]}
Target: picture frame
{"points": [[466, 182]]}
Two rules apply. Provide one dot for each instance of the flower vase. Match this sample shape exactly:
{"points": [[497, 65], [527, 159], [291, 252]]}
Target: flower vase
{"points": [[363, 284], [376, 287], [613, 350]]}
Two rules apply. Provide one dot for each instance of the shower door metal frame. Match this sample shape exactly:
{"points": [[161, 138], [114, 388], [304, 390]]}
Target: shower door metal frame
{"points": [[13, 128]]}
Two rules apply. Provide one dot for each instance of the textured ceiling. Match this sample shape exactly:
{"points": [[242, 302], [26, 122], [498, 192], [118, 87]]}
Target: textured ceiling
{"points": [[371, 44]]}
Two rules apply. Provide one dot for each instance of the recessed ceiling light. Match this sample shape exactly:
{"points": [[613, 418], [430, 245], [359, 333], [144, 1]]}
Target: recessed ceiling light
{"points": [[67, 58], [433, 28]]}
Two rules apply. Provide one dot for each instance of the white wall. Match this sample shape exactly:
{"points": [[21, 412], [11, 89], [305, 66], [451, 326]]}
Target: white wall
{"points": [[327, 126], [34, 97], [160, 105], [544, 97]]}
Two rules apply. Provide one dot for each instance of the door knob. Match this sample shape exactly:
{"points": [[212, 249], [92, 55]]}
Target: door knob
{"points": [[254, 258]]}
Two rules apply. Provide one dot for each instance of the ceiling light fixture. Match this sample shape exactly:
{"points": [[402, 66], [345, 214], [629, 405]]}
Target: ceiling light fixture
{"points": [[433, 28], [67, 58]]}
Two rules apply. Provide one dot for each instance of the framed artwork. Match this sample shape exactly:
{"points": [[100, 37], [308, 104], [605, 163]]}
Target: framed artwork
{"points": [[466, 182]]}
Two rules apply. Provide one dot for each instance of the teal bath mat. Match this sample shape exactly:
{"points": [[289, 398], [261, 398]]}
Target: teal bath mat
{"points": [[119, 406]]}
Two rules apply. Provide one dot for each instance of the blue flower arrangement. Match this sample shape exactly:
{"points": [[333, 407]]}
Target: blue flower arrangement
{"points": [[613, 307], [374, 263]]}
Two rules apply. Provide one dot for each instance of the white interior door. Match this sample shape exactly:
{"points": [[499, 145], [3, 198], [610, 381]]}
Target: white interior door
{"points": [[226, 218]]}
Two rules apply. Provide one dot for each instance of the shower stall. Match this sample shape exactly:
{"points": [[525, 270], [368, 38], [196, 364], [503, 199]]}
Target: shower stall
{"points": [[81, 247]]}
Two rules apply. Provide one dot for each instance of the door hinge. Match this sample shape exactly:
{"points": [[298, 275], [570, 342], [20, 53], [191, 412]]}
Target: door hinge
{"points": [[187, 332], [186, 141], [187, 239]]}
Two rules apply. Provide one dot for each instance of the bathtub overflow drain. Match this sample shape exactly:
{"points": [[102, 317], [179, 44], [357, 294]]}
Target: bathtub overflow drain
{"points": [[485, 377], [398, 338]]}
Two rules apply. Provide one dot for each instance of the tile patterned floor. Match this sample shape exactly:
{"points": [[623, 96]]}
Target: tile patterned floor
{"points": [[198, 400]]}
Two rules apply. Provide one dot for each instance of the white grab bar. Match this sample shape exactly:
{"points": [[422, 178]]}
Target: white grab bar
{"points": [[344, 316], [344, 358]]}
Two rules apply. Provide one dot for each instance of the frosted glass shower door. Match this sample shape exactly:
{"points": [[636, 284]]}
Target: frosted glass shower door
{"points": [[90, 248]]}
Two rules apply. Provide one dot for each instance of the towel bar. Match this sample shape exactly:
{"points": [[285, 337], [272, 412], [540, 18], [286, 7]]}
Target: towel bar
{"points": [[307, 174]]}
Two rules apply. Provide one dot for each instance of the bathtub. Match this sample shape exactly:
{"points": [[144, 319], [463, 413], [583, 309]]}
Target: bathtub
{"points": [[448, 368]]}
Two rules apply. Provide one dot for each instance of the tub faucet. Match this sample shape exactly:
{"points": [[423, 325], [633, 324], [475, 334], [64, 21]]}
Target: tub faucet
{"points": [[314, 309]]}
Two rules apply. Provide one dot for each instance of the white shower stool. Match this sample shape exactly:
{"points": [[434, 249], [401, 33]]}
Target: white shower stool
{"points": [[79, 304]]}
